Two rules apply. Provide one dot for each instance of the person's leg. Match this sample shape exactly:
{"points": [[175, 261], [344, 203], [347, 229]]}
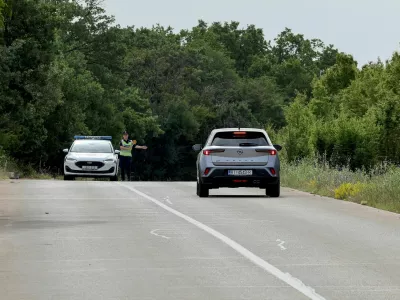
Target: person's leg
{"points": [[122, 167], [128, 167]]}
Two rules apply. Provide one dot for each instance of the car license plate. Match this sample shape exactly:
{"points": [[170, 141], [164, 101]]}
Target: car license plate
{"points": [[89, 168], [240, 172]]}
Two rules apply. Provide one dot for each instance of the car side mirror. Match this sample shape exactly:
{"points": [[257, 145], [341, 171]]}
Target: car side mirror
{"points": [[65, 150], [117, 152], [197, 147], [278, 147]]}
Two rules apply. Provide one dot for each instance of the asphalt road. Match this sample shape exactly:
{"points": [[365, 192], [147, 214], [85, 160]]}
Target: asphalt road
{"points": [[110, 240]]}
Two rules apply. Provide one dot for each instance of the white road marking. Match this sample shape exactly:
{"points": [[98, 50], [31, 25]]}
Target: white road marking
{"points": [[281, 244], [153, 232], [285, 277], [167, 200]]}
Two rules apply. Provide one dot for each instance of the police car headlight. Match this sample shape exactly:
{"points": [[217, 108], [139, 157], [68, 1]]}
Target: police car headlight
{"points": [[71, 159], [109, 160]]}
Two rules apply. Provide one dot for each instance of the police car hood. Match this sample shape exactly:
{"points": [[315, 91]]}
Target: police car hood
{"points": [[91, 156]]}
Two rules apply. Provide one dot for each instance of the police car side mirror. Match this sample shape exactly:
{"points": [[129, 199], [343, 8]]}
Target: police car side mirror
{"points": [[197, 147], [117, 152], [278, 147], [65, 150]]}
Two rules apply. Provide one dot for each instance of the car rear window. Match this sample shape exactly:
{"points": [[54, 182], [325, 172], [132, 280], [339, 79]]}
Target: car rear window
{"points": [[234, 139]]}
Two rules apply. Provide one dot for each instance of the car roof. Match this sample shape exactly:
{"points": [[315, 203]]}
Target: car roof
{"points": [[237, 129], [91, 141]]}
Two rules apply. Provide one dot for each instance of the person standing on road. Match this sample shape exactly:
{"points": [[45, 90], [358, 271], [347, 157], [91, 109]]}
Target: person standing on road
{"points": [[125, 157]]}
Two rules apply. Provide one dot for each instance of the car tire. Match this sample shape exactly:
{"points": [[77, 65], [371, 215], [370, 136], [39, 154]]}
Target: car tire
{"points": [[274, 190], [202, 191], [114, 178], [67, 177]]}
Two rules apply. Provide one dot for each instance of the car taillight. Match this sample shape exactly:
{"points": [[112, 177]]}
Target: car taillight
{"points": [[210, 151], [273, 172], [269, 151], [206, 171]]}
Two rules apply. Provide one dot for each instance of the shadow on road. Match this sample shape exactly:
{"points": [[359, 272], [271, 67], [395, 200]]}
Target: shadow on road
{"points": [[238, 196]]}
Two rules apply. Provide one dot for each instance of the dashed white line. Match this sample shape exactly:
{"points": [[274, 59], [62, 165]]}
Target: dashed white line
{"points": [[285, 277], [154, 232]]}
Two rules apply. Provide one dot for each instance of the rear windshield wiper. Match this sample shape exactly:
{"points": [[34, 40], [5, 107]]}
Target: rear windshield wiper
{"points": [[248, 144]]}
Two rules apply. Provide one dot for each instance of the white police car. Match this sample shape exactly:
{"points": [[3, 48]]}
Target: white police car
{"points": [[91, 156]]}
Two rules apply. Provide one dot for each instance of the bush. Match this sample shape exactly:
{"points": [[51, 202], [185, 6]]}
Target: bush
{"points": [[378, 188], [383, 192], [7, 164], [348, 190], [315, 175]]}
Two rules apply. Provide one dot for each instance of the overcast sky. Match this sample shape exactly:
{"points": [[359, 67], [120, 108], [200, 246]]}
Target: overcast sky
{"points": [[367, 29]]}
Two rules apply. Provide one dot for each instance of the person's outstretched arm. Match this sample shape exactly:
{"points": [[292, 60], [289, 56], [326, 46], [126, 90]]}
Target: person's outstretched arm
{"points": [[141, 147]]}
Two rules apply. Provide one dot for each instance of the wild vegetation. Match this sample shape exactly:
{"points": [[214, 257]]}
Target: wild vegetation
{"points": [[66, 69]]}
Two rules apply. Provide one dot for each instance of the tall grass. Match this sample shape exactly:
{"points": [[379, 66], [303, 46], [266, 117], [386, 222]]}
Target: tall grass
{"points": [[7, 165], [382, 191], [379, 187]]}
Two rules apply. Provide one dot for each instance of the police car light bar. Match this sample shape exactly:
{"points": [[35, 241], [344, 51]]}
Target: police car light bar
{"points": [[87, 137]]}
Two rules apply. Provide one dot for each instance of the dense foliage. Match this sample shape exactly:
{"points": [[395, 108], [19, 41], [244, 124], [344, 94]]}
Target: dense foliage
{"points": [[66, 69]]}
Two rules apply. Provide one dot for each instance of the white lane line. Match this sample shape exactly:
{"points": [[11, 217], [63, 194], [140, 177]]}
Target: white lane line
{"points": [[281, 244], [153, 232], [285, 277]]}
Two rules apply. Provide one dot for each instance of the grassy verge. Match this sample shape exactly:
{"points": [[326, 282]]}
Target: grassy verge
{"points": [[8, 165], [379, 188], [3, 175]]}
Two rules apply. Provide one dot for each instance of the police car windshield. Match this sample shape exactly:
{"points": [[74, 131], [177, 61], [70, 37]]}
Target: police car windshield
{"points": [[92, 147]]}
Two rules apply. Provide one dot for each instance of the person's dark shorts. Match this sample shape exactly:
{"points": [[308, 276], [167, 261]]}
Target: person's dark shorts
{"points": [[125, 162]]}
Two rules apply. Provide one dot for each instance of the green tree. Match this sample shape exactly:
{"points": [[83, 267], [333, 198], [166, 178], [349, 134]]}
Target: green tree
{"points": [[298, 61], [2, 7], [299, 130]]}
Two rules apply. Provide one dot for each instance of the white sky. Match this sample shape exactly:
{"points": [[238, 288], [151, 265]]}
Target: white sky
{"points": [[367, 29]]}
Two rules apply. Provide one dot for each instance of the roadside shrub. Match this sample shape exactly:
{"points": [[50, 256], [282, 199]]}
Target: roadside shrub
{"points": [[378, 187], [348, 190], [383, 192]]}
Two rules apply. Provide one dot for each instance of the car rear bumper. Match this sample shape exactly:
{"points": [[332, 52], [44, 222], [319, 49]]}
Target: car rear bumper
{"points": [[218, 178]]}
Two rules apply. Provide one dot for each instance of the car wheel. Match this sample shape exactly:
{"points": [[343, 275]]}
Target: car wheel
{"points": [[114, 178], [202, 191], [67, 177], [274, 190]]}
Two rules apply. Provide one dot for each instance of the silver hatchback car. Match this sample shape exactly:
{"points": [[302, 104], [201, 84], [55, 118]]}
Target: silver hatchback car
{"points": [[234, 157]]}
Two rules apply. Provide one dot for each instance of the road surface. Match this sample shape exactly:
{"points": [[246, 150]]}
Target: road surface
{"points": [[158, 240]]}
